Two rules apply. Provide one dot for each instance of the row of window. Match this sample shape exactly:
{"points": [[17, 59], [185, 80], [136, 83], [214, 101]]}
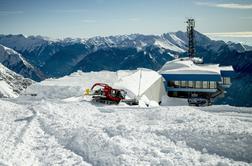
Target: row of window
{"points": [[193, 84]]}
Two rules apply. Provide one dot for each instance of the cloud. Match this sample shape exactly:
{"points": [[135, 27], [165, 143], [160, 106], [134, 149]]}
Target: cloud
{"points": [[89, 21], [70, 11], [6, 13], [226, 5], [246, 18], [231, 34], [134, 19], [235, 6]]}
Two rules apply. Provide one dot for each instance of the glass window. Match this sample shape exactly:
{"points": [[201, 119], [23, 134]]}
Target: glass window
{"points": [[190, 84], [177, 83], [186, 84], [205, 85], [226, 81], [183, 84], [212, 85], [198, 84]]}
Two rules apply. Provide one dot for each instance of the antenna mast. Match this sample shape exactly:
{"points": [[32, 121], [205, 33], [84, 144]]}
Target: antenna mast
{"points": [[191, 38]]}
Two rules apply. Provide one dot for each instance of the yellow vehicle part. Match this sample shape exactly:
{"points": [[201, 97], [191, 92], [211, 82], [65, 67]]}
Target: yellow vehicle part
{"points": [[87, 91]]}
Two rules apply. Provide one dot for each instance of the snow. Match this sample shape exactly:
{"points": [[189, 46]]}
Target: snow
{"points": [[187, 66], [23, 43], [167, 45], [56, 132], [73, 85], [8, 54], [11, 84], [226, 68], [76, 83], [62, 127], [180, 42], [15, 61], [6, 90]]}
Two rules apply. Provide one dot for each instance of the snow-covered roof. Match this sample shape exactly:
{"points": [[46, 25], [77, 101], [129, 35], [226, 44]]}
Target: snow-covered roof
{"points": [[187, 66], [226, 68]]}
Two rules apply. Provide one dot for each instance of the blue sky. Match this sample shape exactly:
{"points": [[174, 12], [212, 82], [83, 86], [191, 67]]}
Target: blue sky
{"points": [[220, 19]]}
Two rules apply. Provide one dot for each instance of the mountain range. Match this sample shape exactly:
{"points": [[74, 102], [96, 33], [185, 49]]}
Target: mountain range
{"points": [[38, 57]]}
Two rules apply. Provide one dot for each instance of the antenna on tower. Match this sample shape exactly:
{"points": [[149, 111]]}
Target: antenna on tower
{"points": [[190, 33]]}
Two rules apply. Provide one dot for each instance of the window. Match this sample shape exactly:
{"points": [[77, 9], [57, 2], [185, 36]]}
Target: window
{"points": [[213, 85], [190, 84], [226, 80], [177, 84], [205, 85], [183, 84], [198, 84]]}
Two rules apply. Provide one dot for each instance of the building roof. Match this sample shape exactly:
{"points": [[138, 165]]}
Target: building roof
{"points": [[187, 69]]}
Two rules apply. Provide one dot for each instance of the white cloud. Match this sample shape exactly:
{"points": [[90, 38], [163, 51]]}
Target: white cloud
{"points": [[70, 11], [134, 19], [235, 6], [226, 5], [6, 13], [231, 34], [89, 21], [246, 18]]}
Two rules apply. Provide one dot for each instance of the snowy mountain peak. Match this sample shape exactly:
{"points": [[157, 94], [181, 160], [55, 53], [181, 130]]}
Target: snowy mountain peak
{"points": [[11, 84], [15, 61], [10, 55], [240, 47], [21, 42]]}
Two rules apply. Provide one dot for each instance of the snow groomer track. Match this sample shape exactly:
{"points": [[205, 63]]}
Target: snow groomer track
{"points": [[69, 133]]}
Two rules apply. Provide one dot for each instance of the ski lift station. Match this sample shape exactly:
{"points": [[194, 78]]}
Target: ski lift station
{"points": [[185, 78], [191, 78]]}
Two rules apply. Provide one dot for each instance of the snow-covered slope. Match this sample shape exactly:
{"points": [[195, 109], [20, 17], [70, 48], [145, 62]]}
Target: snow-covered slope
{"points": [[11, 84], [73, 132], [14, 61], [64, 128]]}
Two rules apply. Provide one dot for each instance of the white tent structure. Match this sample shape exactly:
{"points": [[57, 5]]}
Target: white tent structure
{"points": [[143, 84]]}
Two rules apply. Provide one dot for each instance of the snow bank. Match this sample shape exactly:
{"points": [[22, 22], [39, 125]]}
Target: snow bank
{"points": [[69, 86], [151, 84]]}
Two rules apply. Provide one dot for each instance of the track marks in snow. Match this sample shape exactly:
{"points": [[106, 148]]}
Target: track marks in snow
{"points": [[131, 136], [209, 133], [27, 121], [53, 132], [25, 143]]}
